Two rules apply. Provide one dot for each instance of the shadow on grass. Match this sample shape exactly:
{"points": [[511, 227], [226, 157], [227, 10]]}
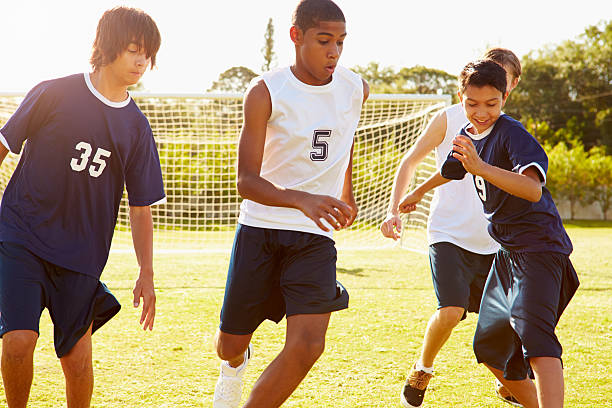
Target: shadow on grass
{"points": [[581, 289], [354, 271], [587, 224]]}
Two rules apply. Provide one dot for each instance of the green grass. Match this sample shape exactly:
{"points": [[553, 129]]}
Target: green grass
{"points": [[370, 346]]}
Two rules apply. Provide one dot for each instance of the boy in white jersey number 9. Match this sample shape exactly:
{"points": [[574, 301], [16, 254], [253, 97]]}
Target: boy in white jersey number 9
{"points": [[294, 173]]}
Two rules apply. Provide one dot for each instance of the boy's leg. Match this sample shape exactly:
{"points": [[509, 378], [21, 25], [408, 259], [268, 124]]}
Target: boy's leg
{"points": [[18, 366], [549, 379], [439, 329], [304, 344], [523, 390], [78, 371], [231, 347], [252, 294]]}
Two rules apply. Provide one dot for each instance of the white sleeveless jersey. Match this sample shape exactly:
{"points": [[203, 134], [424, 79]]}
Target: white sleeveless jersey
{"points": [[308, 143], [456, 214]]}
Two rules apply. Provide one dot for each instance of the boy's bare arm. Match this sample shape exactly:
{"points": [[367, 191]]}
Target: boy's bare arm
{"points": [[251, 186], [411, 199], [431, 137], [526, 185], [141, 223], [3, 152]]}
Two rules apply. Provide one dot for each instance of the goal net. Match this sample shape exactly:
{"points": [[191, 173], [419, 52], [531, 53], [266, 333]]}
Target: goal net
{"points": [[197, 137]]}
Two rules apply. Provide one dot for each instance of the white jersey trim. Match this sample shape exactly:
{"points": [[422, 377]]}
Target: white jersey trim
{"points": [[4, 142], [537, 166], [104, 99], [162, 201]]}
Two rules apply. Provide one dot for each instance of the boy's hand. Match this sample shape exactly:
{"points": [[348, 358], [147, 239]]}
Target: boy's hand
{"points": [[410, 201], [322, 207], [390, 225], [465, 152], [145, 289], [350, 200]]}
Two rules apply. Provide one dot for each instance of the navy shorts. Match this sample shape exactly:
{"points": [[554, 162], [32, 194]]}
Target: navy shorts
{"points": [[524, 298], [276, 272], [28, 284], [458, 275]]}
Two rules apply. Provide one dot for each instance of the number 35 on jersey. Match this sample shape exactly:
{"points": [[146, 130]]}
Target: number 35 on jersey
{"points": [[98, 163]]}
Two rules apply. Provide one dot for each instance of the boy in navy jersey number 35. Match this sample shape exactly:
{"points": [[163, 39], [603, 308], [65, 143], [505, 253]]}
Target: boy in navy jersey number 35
{"points": [[532, 279], [85, 139]]}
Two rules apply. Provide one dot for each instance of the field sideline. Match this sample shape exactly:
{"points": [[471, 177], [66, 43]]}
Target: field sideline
{"points": [[369, 349]]}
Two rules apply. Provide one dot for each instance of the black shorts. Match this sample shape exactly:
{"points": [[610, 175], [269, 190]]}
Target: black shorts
{"points": [[523, 300], [458, 275], [277, 272], [28, 284]]}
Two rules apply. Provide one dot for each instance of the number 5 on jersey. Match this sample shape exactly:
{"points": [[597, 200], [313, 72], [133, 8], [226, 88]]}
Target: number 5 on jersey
{"points": [[481, 187], [80, 163], [320, 146]]}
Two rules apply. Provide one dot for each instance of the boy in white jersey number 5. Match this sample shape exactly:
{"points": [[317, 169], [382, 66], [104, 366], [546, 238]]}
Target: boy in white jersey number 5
{"points": [[294, 173]]}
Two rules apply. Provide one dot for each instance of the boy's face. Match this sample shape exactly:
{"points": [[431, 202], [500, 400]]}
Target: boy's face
{"points": [[319, 49], [482, 105], [130, 65]]}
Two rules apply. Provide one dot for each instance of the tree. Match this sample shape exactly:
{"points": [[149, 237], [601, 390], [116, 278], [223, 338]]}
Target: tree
{"points": [[268, 48], [380, 79], [600, 183], [423, 80], [569, 86], [418, 79], [568, 175], [235, 79]]}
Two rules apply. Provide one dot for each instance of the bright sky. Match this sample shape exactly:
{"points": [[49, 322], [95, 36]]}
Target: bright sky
{"points": [[42, 39]]}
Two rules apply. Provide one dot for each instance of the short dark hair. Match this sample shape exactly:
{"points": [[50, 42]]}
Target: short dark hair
{"points": [[309, 13], [117, 28], [506, 59], [481, 73]]}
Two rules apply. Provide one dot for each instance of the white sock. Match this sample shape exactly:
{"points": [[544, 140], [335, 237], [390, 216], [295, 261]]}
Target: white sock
{"points": [[420, 367]]}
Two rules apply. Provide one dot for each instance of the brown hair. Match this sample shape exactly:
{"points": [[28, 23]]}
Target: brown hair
{"points": [[506, 59], [309, 13], [482, 73], [117, 28]]}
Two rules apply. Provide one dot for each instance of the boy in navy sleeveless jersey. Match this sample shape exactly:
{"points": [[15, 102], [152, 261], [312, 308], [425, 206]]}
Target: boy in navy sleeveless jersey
{"points": [[294, 173], [532, 279], [85, 139]]}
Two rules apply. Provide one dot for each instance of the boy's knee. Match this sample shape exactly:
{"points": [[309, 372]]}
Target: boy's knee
{"points": [[307, 350], [77, 366], [19, 344], [230, 347], [450, 316]]}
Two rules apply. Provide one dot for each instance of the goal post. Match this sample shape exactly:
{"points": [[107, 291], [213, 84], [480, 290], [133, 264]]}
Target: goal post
{"points": [[197, 137]]}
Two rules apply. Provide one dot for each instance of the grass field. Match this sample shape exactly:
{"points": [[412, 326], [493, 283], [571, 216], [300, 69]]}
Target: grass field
{"points": [[369, 349]]}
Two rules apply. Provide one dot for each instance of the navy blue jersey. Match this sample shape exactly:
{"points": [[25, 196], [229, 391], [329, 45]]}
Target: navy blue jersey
{"points": [[517, 224], [80, 150]]}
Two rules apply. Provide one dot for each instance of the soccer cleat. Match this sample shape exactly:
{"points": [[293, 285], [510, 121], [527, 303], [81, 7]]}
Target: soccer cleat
{"points": [[229, 385], [504, 394], [414, 389]]}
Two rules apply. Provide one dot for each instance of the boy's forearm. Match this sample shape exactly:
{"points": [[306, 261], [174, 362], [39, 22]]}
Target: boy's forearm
{"points": [[3, 152], [520, 185], [400, 185], [141, 223], [435, 180], [262, 191]]}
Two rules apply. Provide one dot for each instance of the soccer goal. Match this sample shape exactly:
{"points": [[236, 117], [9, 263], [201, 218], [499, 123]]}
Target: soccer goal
{"points": [[197, 138]]}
